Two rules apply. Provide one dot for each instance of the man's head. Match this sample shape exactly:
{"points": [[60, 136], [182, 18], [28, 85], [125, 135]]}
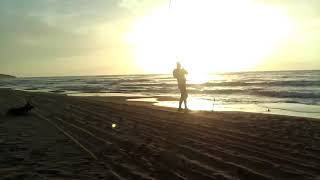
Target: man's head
{"points": [[178, 65]]}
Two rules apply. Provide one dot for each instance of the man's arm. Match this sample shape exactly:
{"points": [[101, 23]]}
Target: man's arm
{"points": [[174, 73], [185, 71]]}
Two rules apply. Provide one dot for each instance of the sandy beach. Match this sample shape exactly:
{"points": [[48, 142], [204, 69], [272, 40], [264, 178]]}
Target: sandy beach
{"points": [[109, 138]]}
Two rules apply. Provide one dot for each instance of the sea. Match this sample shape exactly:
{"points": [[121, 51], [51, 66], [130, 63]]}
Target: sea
{"points": [[294, 93]]}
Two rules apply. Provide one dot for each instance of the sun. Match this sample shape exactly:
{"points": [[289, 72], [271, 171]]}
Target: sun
{"points": [[208, 36]]}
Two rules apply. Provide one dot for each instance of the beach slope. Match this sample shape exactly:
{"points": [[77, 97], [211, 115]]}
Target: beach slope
{"points": [[89, 138]]}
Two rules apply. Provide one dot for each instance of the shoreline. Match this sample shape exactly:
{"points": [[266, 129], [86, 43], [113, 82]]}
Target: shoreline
{"points": [[286, 109], [149, 104], [75, 138], [199, 104], [285, 93], [281, 108]]}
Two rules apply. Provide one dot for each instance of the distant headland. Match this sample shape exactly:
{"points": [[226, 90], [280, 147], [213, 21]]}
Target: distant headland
{"points": [[3, 76]]}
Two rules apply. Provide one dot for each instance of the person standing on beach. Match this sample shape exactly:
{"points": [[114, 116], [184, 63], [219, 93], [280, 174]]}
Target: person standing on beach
{"points": [[179, 73]]}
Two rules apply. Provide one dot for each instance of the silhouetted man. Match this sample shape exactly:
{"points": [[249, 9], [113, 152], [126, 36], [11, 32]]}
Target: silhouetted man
{"points": [[179, 73]]}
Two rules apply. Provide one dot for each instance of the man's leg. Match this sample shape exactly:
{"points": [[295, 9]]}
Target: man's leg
{"points": [[180, 101], [185, 100]]}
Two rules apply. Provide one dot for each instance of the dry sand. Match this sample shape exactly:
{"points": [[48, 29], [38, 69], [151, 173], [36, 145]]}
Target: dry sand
{"points": [[72, 138]]}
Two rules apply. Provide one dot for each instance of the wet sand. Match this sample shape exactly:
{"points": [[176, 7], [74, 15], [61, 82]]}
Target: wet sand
{"points": [[72, 138]]}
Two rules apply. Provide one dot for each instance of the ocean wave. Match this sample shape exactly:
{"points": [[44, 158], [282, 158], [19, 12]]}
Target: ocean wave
{"points": [[267, 83], [292, 87], [57, 91], [218, 91], [286, 94], [87, 89], [260, 92]]}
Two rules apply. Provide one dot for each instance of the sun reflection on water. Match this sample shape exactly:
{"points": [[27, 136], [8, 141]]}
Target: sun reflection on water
{"points": [[201, 78], [194, 104]]}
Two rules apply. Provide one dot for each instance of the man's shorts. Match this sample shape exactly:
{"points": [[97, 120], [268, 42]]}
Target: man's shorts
{"points": [[183, 90]]}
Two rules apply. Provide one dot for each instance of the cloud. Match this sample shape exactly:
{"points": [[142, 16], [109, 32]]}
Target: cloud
{"points": [[141, 6], [38, 35], [297, 8], [28, 37]]}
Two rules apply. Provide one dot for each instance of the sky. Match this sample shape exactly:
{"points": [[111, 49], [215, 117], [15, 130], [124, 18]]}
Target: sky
{"points": [[81, 37]]}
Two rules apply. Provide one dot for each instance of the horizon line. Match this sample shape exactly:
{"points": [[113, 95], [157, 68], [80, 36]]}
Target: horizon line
{"points": [[141, 74]]}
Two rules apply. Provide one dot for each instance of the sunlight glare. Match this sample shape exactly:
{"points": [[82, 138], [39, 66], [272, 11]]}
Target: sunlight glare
{"points": [[208, 36], [198, 78]]}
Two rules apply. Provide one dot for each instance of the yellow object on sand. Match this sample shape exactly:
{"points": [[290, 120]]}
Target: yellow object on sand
{"points": [[114, 125]]}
